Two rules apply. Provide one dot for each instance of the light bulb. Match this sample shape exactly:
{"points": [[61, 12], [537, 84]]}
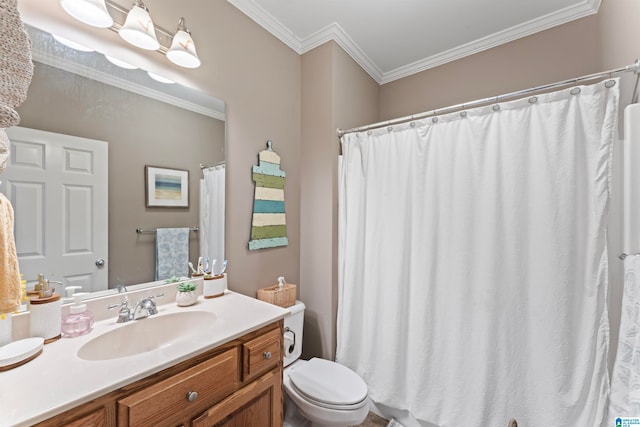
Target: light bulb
{"points": [[72, 44], [120, 63], [183, 51], [138, 28], [91, 12]]}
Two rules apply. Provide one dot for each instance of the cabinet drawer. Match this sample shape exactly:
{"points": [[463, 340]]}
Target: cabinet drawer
{"points": [[261, 354], [168, 400]]}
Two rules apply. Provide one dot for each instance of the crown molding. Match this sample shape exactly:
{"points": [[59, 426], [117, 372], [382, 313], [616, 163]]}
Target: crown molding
{"points": [[263, 18], [563, 16], [335, 33]]}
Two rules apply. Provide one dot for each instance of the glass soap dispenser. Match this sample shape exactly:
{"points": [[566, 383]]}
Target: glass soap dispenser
{"points": [[79, 321]]}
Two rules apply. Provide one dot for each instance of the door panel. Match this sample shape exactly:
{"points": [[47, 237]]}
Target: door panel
{"points": [[58, 187]]}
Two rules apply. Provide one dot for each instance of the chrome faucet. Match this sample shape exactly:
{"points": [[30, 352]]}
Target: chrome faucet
{"points": [[124, 314], [143, 309]]}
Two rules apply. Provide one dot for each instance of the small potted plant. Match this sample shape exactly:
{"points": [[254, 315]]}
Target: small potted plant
{"points": [[186, 294]]}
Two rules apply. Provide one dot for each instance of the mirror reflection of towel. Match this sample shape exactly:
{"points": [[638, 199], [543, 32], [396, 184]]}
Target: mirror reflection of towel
{"points": [[10, 292], [172, 253]]}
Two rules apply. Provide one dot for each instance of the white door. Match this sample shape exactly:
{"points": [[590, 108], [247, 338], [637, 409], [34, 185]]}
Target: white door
{"points": [[58, 185]]}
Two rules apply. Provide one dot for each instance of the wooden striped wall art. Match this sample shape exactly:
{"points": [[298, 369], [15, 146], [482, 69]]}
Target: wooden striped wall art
{"points": [[269, 225]]}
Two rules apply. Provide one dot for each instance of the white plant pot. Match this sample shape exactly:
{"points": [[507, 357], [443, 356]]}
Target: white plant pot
{"points": [[184, 299]]}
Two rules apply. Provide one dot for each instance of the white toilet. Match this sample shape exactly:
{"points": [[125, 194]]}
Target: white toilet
{"points": [[323, 392]]}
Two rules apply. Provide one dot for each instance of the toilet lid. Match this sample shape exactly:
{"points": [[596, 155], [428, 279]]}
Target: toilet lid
{"points": [[329, 383]]}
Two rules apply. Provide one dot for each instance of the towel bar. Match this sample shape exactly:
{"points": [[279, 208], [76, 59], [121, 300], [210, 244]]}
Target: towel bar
{"points": [[142, 231]]}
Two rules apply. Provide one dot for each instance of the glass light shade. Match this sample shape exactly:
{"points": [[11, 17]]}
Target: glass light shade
{"points": [[91, 12], [159, 78], [183, 51], [138, 29], [120, 63], [72, 44]]}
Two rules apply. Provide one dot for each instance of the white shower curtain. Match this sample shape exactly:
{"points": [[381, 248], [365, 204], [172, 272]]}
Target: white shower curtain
{"points": [[473, 265], [212, 208]]}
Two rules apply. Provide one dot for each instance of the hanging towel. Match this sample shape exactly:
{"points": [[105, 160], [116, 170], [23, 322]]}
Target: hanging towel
{"points": [[172, 252], [10, 291], [625, 383]]}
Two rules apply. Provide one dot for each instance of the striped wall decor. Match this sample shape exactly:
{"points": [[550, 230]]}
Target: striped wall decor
{"points": [[268, 226]]}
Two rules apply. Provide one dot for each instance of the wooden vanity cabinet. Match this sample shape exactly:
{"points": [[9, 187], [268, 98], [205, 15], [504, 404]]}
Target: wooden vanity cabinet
{"points": [[236, 384]]}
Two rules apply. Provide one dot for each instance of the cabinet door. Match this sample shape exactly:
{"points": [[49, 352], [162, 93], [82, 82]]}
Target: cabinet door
{"points": [[259, 404]]}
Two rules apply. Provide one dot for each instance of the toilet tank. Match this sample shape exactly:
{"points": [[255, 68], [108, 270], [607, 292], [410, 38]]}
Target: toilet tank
{"points": [[293, 326]]}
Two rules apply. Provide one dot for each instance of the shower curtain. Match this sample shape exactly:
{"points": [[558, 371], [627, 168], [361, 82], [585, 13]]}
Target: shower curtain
{"points": [[473, 265], [212, 208]]}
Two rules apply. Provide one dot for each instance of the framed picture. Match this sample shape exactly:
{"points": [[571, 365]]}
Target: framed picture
{"points": [[166, 188]]}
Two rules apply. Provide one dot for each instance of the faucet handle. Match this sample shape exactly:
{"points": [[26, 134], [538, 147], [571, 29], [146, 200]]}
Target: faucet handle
{"points": [[124, 315]]}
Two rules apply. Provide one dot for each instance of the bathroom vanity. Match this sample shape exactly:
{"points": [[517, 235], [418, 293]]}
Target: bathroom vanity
{"points": [[227, 369]]}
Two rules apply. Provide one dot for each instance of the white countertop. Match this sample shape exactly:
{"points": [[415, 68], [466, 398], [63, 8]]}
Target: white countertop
{"points": [[59, 380]]}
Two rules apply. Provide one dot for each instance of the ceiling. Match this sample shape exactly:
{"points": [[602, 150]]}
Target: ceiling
{"points": [[391, 39]]}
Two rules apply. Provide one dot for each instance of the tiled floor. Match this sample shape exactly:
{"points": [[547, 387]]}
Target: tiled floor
{"points": [[374, 420]]}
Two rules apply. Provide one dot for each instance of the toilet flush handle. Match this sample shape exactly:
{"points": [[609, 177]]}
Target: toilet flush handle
{"points": [[293, 345]]}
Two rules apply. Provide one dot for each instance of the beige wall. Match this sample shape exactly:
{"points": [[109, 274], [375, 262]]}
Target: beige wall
{"points": [[259, 78], [139, 131], [559, 53], [601, 42], [336, 92], [272, 93]]}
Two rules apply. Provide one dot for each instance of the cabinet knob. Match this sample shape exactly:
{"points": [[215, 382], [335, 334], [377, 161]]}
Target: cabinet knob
{"points": [[267, 355], [192, 395]]}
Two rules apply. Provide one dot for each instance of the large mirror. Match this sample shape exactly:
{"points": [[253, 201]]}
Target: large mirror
{"points": [[141, 122]]}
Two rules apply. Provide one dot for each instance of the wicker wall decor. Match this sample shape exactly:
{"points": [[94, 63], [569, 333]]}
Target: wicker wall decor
{"points": [[16, 70]]}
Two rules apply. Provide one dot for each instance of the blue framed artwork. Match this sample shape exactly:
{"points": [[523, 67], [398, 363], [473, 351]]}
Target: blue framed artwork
{"points": [[166, 188]]}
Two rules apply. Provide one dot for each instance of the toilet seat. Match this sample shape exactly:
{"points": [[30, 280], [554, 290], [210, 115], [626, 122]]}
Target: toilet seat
{"points": [[329, 385]]}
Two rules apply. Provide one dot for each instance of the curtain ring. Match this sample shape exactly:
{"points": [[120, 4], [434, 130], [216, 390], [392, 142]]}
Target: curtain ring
{"points": [[389, 128], [533, 100], [575, 91], [496, 107], [609, 83], [463, 114], [434, 120]]}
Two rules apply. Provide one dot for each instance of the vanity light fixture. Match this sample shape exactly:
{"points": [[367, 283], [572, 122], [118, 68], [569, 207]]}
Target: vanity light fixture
{"points": [[183, 51], [72, 44], [159, 78], [91, 12], [120, 63], [138, 28]]}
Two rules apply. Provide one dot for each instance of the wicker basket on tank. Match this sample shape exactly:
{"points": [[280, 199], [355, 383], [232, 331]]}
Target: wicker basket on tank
{"points": [[283, 294]]}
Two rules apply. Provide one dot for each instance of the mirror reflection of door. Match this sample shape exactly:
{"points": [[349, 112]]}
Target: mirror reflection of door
{"points": [[57, 185]]}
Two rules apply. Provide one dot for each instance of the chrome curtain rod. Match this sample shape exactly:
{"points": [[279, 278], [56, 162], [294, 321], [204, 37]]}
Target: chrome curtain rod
{"points": [[213, 165], [635, 67], [142, 231]]}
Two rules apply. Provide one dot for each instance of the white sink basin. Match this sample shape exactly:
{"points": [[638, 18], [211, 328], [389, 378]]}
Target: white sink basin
{"points": [[144, 335]]}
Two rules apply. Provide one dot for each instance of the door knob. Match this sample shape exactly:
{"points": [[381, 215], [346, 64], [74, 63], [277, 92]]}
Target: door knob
{"points": [[100, 262]]}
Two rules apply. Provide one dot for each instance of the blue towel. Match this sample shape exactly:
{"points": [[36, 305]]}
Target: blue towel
{"points": [[172, 253]]}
